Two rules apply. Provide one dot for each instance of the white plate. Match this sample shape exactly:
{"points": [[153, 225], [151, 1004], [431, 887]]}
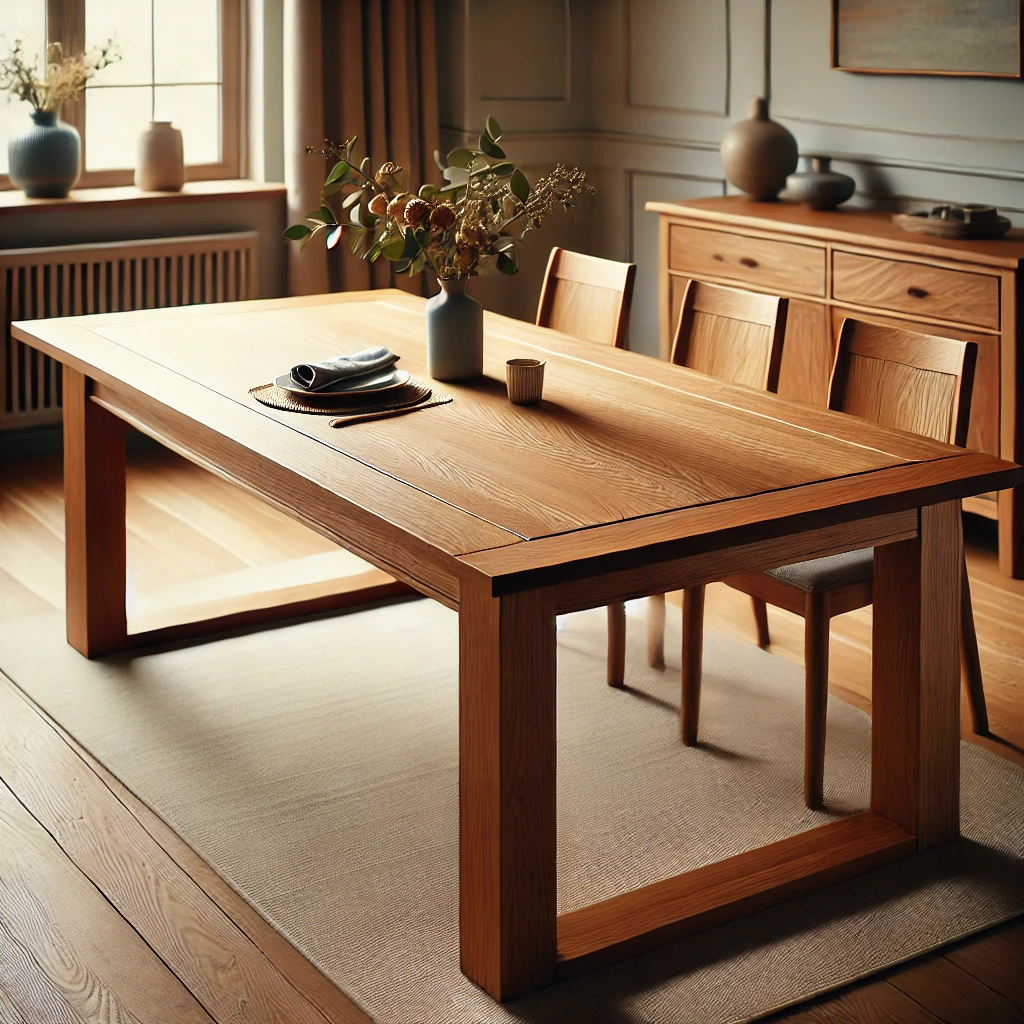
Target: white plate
{"points": [[383, 381]]}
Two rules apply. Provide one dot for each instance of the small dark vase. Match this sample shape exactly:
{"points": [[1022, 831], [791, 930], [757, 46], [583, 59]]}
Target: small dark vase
{"points": [[45, 159], [820, 188], [758, 154]]}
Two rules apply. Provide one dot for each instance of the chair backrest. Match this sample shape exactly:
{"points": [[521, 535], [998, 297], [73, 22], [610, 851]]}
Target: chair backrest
{"points": [[731, 334], [902, 379], [587, 297]]}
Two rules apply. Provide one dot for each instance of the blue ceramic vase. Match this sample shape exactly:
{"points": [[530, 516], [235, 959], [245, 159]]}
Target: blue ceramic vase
{"points": [[455, 333], [45, 159]]}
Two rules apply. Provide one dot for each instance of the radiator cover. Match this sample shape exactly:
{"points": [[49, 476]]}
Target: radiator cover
{"points": [[106, 277]]}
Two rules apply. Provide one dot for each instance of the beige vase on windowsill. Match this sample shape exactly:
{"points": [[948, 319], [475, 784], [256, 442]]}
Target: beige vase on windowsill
{"points": [[161, 163]]}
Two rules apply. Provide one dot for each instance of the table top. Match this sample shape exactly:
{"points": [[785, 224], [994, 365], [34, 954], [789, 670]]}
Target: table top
{"points": [[624, 454]]}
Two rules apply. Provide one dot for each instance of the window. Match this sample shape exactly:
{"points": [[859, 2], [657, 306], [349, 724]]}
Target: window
{"points": [[180, 63]]}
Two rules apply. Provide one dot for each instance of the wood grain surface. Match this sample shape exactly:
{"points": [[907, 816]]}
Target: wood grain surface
{"points": [[507, 820], [917, 289], [915, 735], [229, 975], [718, 892], [776, 266], [482, 473], [848, 225], [90, 957], [94, 453], [529, 472]]}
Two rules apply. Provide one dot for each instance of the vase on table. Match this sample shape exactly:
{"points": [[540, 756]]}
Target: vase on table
{"points": [[820, 188], [45, 160], [759, 154], [455, 333], [161, 162]]}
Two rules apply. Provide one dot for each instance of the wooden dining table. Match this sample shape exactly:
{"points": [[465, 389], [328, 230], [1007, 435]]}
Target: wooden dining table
{"points": [[632, 477]]}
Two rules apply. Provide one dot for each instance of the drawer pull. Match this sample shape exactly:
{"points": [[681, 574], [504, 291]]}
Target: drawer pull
{"points": [[748, 262], [918, 293]]}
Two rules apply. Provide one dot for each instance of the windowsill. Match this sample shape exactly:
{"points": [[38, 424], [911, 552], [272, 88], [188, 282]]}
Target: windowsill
{"points": [[13, 200]]}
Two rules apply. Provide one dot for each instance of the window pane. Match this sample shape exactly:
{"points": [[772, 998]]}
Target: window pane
{"points": [[195, 109], [129, 23], [114, 119], [24, 20], [186, 37]]}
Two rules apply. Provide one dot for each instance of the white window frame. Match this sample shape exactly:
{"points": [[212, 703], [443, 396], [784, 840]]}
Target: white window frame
{"points": [[65, 23]]}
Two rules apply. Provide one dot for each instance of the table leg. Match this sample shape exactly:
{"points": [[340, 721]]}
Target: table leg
{"points": [[507, 840], [94, 512], [915, 690]]}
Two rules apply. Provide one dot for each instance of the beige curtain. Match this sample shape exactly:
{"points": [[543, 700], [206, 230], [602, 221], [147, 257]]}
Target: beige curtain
{"points": [[356, 67]]}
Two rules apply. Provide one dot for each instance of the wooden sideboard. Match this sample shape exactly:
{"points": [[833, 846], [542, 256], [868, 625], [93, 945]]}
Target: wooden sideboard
{"points": [[840, 263]]}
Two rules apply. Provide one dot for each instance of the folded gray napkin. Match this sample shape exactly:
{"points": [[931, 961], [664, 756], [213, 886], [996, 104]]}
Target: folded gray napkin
{"points": [[314, 376]]}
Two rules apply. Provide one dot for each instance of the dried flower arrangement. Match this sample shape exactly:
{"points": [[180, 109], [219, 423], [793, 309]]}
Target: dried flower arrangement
{"points": [[474, 221], [62, 79]]}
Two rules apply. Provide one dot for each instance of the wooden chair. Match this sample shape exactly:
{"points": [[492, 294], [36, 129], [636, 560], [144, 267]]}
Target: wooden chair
{"points": [[736, 336], [900, 379], [587, 297], [590, 298]]}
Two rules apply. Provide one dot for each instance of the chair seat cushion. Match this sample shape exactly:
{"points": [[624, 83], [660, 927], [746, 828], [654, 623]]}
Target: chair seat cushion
{"points": [[828, 572]]}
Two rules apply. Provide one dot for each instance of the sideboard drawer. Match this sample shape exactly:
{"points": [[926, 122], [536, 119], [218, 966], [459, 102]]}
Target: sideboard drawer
{"points": [[781, 267], [916, 288]]}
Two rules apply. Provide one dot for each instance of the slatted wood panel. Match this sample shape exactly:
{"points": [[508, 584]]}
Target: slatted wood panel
{"points": [[731, 334], [107, 277], [587, 297], [905, 380]]}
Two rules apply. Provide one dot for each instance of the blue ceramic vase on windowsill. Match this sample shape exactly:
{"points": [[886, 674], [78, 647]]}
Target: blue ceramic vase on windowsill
{"points": [[455, 333], [45, 160]]}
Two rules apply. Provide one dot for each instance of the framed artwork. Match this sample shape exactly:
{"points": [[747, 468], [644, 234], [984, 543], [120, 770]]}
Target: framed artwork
{"points": [[928, 37]]}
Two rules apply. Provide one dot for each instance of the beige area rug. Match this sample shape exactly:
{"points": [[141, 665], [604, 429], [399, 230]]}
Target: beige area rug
{"points": [[315, 767]]}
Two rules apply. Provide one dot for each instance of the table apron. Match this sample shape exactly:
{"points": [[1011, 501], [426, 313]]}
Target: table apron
{"points": [[337, 520], [709, 566]]}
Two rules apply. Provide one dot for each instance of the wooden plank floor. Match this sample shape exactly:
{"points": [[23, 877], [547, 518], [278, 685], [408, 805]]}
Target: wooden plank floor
{"points": [[106, 915]]}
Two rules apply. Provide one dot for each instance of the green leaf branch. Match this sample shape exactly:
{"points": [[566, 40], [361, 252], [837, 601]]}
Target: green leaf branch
{"points": [[473, 222]]}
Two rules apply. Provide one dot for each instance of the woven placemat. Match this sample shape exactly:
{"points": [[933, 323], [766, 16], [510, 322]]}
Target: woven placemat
{"points": [[410, 397]]}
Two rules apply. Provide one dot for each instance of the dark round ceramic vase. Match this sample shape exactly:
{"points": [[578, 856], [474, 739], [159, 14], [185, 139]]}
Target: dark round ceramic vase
{"points": [[758, 154], [820, 188], [45, 159]]}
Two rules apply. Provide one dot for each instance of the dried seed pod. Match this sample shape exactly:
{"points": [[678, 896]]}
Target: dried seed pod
{"points": [[442, 216], [417, 213]]}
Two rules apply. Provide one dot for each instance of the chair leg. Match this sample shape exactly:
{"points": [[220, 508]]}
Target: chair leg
{"points": [[656, 631], [761, 618], [693, 654], [617, 644], [970, 662], [816, 620]]}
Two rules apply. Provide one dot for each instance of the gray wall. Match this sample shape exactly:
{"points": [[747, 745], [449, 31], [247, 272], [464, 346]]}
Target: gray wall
{"points": [[640, 93]]}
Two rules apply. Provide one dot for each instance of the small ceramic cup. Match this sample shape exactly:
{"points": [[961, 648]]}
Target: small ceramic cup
{"points": [[525, 379]]}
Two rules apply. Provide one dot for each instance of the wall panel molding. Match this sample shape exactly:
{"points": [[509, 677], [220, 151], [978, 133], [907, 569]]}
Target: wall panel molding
{"points": [[546, 27], [664, 58]]}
